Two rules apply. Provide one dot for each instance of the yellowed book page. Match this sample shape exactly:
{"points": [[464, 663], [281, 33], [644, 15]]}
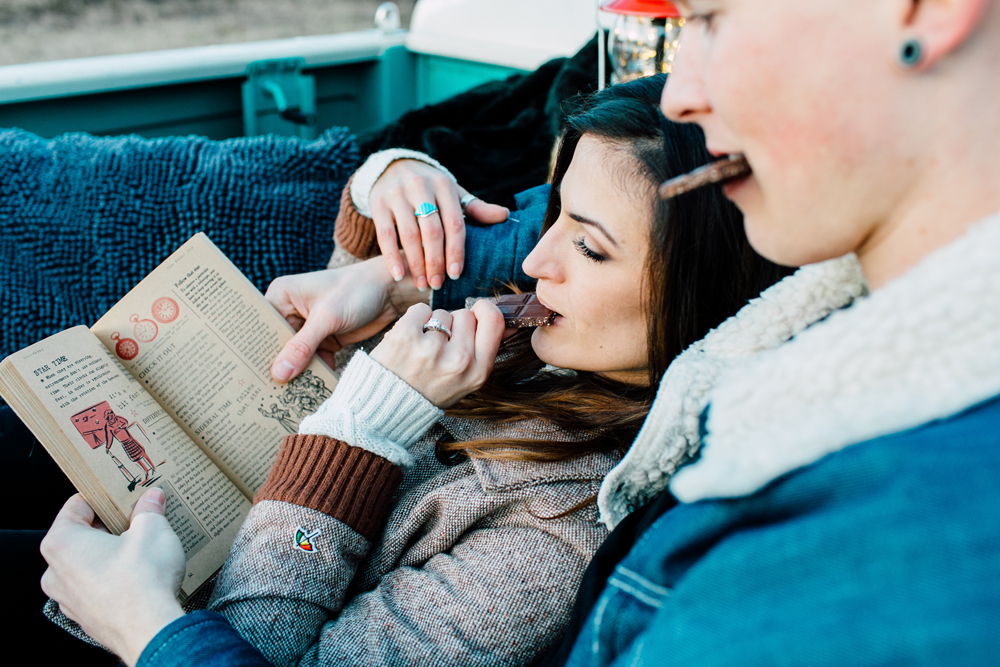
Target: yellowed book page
{"points": [[114, 441], [201, 338]]}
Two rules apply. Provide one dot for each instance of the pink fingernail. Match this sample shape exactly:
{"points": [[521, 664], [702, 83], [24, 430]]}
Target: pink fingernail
{"points": [[397, 273], [283, 370], [422, 284], [157, 497], [436, 282], [454, 271]]}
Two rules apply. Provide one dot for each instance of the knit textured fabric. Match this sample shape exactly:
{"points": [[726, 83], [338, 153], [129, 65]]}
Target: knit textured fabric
{"points": [[374, 409], [84, 218]]}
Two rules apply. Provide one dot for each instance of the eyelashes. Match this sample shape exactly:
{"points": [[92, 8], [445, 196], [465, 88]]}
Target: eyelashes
{"points": [[587, 252]]}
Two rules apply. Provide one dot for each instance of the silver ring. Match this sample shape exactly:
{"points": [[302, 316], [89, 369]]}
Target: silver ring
{"points": [[467, 199], [434, 324], [425, 209]]}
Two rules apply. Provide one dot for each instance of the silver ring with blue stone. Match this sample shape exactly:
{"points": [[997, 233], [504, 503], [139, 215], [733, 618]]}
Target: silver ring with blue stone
{"points": [[425, 210]]}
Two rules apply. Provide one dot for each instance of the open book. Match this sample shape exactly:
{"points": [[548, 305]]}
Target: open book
{"points": [[171, 388]]}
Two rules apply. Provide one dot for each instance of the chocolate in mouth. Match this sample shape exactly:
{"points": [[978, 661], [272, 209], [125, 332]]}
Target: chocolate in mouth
{"points": [[524, 310], [720, 171]]}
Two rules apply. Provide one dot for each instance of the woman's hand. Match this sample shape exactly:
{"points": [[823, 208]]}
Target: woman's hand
{"points": [[121, 590], [444, 370], [333, 308], [432, 243]]}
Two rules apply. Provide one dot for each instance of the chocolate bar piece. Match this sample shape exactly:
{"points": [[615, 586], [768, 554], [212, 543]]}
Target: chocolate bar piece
{"points": [[719, 171], [524, 310]]}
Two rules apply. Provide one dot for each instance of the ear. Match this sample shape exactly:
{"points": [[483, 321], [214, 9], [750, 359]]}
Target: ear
{"points": [[941, 25]]}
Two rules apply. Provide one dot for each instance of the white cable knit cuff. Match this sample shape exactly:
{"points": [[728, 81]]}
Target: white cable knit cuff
{"points": [[372, 408], [375, 166]]}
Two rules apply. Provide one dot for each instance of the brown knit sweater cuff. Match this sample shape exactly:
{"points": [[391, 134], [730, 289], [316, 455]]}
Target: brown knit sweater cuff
{"points": [[350, 484], [354, 232]]}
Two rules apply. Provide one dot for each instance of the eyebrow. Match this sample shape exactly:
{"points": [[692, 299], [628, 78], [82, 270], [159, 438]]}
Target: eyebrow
{"points": [[586, 221]]}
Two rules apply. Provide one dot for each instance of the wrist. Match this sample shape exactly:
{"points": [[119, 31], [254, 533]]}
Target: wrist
{"points": [[399, 294], [141, 628], [368, 173]]}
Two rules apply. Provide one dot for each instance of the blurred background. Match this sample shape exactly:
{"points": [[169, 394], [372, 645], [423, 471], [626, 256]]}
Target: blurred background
{"points": [[42, 30]]}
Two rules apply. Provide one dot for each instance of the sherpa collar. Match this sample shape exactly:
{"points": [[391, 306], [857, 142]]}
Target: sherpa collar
{"points": [[669, 435], [923, 347]]}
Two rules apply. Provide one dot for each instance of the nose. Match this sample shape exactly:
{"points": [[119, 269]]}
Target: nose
{"points": [[684, 98], [543, 262]]}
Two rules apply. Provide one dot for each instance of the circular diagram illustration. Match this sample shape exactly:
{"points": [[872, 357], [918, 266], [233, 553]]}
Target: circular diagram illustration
{"points": [[145, 330], [165, 310], [125, 348]]}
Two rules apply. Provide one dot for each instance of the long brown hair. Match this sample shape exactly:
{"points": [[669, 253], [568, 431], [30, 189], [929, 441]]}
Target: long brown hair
{"points": [[700, 270]]}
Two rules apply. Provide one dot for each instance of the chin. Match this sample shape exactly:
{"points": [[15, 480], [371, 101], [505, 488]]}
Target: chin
{"points": [[540, 345], [787, 244], [546, 349]]}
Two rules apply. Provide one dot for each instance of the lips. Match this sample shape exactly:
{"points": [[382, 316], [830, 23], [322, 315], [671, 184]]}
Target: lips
{"points": [[716, 153], [543, 302]]}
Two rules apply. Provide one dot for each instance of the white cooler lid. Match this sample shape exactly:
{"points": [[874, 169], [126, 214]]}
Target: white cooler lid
{"points": [[515, 33]]}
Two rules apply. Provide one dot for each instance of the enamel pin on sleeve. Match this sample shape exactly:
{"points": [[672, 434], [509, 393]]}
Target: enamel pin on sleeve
{"points": [[304, 540]]}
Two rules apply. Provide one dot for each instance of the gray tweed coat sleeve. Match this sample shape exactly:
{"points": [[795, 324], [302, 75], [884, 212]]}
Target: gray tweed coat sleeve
{"points": [[459, 608], [491, 593]]}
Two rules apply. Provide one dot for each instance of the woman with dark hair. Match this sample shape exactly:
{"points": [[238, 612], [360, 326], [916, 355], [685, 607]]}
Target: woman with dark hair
{"points": [[439, 507]]}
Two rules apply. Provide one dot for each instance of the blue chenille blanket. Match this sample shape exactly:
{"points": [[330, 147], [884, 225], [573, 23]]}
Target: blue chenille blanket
{"points": [[84, 218]]}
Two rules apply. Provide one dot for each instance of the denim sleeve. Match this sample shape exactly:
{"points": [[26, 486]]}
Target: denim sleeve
{"points": [[879, 554], [200, 638], [494, 253]]}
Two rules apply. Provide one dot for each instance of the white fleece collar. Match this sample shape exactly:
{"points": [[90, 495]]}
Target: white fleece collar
{"points": [[924, 347], [669, 435]]}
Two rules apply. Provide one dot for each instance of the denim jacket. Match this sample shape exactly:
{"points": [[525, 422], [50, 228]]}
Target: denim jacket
{"points": [[877, 554]]}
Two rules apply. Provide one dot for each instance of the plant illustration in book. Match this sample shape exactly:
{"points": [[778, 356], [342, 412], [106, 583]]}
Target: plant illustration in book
{"points": [[301, 397], [99, 425], [284, 417], [304, 394]]}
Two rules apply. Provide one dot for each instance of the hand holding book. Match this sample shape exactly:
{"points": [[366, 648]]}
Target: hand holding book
{"points": [[94, 575]]}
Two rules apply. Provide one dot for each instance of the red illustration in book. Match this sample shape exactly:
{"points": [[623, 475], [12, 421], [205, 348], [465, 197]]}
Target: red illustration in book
{"points": [[90, 424], [145, 330], [99, 425], [125, 348], [165, 310]]}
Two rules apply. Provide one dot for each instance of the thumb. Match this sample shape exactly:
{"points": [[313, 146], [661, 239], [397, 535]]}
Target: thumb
{"points": [[486, 214], [299, 350], [153, 501]]}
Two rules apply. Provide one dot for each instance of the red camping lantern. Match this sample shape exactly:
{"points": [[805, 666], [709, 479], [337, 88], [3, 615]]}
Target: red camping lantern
{"points": [[644, 39]]}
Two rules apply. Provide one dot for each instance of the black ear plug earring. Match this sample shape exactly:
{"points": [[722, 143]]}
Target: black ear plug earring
{"points": [[911, 53]]}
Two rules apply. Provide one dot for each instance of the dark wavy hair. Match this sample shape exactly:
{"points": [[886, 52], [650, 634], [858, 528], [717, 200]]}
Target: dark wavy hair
{"points": [[700, 270]]}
